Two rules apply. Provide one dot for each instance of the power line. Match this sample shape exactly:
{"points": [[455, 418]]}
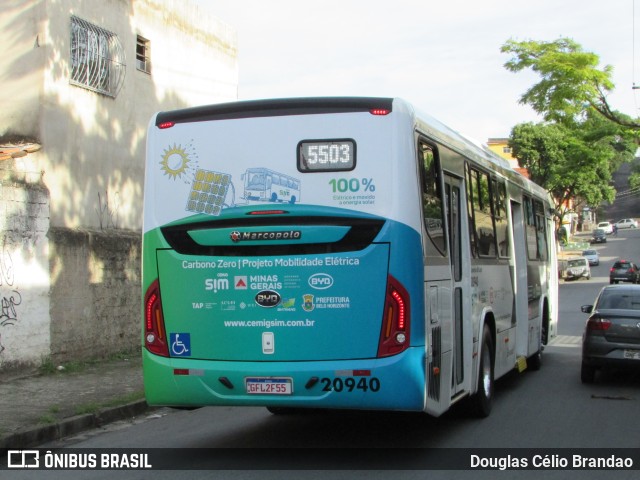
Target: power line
{"points": [[626, 193]]}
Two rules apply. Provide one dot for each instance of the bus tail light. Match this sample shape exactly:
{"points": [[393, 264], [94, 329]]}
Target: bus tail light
{"points": [[394, 337], [155, 339]]}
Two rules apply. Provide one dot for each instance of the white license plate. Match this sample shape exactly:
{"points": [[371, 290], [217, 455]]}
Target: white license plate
{"points": [[632, 354], [269, 386]]}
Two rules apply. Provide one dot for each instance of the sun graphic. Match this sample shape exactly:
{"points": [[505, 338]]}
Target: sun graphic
{"points": [[175, 161]]}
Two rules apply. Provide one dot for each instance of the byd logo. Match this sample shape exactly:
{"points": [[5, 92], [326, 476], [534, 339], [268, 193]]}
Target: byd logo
{"points": [[320, 281], [268, 298]]}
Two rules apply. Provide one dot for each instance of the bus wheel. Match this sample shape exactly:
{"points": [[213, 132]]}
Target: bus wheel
{"points": [[535, 360], [482, 401]]}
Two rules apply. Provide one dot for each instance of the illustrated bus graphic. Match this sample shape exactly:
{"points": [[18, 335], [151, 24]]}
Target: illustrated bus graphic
{"points": [[264, 185]]}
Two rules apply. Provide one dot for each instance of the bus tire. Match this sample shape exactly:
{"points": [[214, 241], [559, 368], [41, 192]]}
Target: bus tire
{"points": [[535, 361], [482, 400]]}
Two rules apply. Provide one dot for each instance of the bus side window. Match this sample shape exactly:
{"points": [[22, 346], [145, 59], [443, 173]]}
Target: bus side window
{"points": [[531, 230], [432, 207], [482, 221], [500, 216], [541, 230]]}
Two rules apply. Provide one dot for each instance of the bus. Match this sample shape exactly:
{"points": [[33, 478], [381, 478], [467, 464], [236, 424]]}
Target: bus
{"points": [[265, 185], [418, 270]]}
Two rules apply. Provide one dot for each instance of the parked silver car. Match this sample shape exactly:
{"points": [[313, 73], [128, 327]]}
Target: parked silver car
{"points": [[626, 223], [592, 256], [575, 269], [612, 333]]}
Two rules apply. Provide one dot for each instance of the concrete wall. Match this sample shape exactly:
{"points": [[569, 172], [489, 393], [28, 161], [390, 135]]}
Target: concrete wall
{"points": [[94, 145], [22, 69], [71, 213], [24, 272], [95, 293]]}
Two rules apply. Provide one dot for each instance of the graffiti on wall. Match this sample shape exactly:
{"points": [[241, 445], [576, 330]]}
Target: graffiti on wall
{"points": [[10, 297]]}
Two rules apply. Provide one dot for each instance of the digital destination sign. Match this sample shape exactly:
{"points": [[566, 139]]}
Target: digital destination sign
{"points": [[326, 155]]}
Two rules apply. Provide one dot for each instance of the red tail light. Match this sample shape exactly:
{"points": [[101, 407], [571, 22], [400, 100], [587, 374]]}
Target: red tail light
{"points": [[394, 336], [165, 125], [597, 324], [268, 212], [380, 111], [155, 339]]}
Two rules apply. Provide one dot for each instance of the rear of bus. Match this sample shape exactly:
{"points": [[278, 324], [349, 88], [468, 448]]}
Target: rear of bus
{"points": [[282, 264]]}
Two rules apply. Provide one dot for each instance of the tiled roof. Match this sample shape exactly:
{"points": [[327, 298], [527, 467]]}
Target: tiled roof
{"points": [[7, 152]]}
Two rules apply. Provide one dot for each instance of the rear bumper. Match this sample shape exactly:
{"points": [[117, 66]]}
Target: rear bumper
{"points": [[598, 352], [393, 383], [623, 279], [576, 275]]}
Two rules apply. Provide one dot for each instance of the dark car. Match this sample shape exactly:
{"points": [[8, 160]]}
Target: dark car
{"points": [[612, 333], [598, 236], [624, 271]]}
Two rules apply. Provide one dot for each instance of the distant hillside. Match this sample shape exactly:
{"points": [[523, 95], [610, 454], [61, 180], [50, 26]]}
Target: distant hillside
{"points": [[625, 205]]}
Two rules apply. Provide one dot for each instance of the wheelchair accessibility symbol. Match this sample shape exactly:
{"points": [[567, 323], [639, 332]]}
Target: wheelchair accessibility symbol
{"points": [[180, 344]]}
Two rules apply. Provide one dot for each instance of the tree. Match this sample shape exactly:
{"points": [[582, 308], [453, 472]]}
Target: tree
{"points": [[572, 162], [571, 81], [583, 139]]}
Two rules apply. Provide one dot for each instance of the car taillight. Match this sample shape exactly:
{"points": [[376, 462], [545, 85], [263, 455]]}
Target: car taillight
{"points": [[597, 324], [155, 339], [394, 336]]}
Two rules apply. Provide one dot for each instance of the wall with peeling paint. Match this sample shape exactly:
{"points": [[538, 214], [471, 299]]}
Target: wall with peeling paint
{"points": [[71, 212], [95, 293], [93, 145], [24, 273]]}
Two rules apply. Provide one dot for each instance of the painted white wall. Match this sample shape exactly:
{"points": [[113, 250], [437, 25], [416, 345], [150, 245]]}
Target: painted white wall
{"points": [[93, 145]]}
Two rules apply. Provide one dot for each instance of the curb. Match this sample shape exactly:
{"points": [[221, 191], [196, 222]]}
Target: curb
{"points": [[70, 426]]}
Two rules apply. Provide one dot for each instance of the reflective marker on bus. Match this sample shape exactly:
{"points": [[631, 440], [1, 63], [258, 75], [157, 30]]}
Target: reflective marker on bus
{"points": [[344, 253]]}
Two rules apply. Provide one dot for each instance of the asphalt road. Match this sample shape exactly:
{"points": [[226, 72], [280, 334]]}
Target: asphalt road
{"points": [[545, 409]]}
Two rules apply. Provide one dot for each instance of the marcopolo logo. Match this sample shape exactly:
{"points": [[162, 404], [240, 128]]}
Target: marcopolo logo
{"points": [[268, 298], [238, 236], [320, 281]]}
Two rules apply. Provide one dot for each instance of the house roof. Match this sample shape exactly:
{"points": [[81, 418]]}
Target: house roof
{"points": [[7, 152]]}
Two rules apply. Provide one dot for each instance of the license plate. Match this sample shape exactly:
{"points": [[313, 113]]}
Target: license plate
{"points": [[269, 386], [632, 354]]}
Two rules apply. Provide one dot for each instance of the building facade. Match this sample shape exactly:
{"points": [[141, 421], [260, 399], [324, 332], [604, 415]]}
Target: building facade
{"points": [[80, 82], [500, 146]]}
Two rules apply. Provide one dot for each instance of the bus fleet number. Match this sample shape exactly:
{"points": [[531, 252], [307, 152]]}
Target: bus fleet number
{"points": [[350, 384]]}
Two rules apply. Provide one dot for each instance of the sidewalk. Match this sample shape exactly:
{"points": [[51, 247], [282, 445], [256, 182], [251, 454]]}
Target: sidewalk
{"points": [[36, 408]]}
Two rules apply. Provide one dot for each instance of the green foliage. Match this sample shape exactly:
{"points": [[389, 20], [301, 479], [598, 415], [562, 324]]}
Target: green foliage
{"points": [[583, 140], [571, 83], [573, 161]]}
